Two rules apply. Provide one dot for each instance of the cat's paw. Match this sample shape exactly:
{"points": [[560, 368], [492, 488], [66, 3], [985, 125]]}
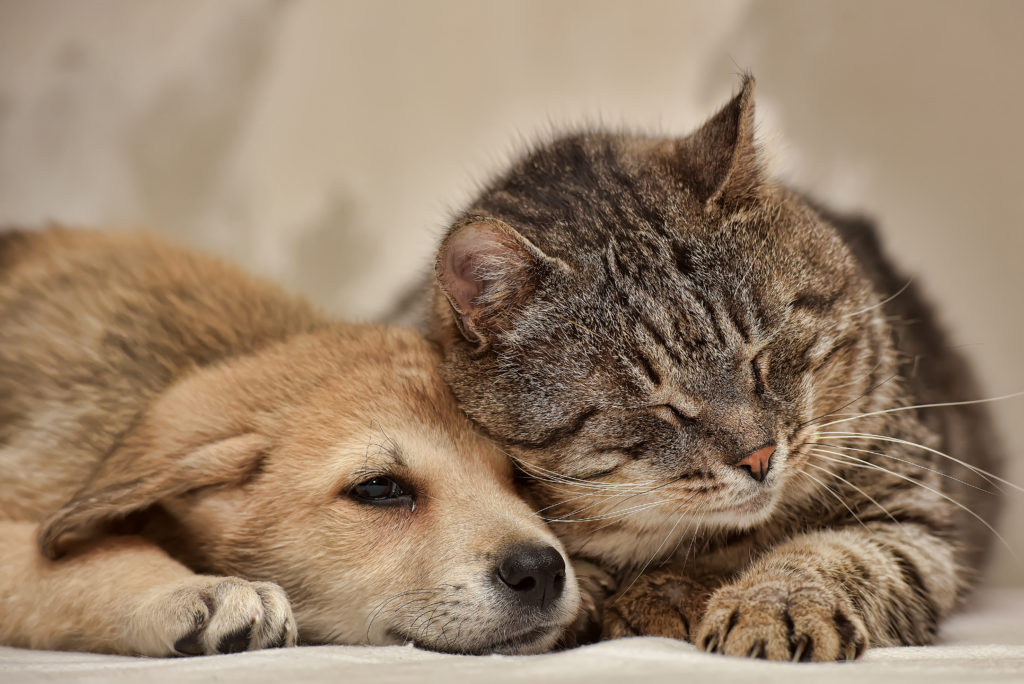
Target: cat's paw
{"points": [[782, 619], [207, 615], [595, 586], [661, 603]]}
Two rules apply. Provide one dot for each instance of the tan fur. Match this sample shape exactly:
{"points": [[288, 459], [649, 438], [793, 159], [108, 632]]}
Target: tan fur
{"points": [[219, 425]]}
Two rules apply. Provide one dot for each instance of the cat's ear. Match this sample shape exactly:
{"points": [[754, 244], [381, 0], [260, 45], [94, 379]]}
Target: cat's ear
{"points": [[487, 271], [187, 441], [720, 160]]}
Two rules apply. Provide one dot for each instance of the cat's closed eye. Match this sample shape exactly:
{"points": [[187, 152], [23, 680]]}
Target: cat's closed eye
{"points": [[759, 373], [672, 415]]}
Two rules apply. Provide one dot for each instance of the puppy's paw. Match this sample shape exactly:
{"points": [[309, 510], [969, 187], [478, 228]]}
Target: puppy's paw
{"points": [[782, 619], [207, 615], [661, 603]]}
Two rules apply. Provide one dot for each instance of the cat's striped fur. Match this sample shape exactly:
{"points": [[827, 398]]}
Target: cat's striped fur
{"points": [[635, 318]]}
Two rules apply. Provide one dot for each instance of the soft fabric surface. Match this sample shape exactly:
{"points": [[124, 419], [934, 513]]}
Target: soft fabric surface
{"points": [[983, 644]]}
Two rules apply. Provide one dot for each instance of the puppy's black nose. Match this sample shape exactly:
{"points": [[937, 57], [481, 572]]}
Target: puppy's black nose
{"points": [[535, 573]]}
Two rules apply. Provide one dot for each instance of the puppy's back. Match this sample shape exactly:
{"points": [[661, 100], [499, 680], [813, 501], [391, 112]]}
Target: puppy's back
{"points": [[92, 327]]}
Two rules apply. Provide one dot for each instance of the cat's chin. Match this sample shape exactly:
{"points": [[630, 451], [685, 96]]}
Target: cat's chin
{"points": [[748, 513]]}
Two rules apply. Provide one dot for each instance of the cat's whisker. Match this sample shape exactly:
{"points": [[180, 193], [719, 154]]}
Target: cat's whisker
{"points": [[880, 507], [835, 494], [882, 303], [602, 527], [611, 490], [991, 477], [854, 461], [538, 514], [969, 402], [856, 381], [582, 509], [657, 551], [655, 488], [693, 537], [626, 496], [557, 504], [903, 460], [541, 473], [557, 478], [853, 401], [626, 512], [682, 535]]}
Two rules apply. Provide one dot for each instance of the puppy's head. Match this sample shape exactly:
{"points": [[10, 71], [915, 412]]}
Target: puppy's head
{"points": [[338, 466]]}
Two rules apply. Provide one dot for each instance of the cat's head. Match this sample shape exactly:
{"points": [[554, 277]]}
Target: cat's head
{"points": [[650, 325]]}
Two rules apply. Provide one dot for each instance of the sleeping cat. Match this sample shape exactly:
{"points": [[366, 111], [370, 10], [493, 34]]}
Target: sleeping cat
{"points": [[713, 386]]}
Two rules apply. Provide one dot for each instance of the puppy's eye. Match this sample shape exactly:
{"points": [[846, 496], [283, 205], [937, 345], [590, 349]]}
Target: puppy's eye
{"points": [[378, 489]]}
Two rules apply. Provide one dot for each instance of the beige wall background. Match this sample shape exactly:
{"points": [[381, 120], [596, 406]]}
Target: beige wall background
{"points": [[324, 143]]}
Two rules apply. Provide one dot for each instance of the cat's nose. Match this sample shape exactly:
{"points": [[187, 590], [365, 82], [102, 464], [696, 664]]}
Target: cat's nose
{"points": [[535, 574], [757, 462]]}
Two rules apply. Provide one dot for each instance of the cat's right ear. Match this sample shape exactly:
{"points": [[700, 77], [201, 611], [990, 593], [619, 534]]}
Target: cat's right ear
{"points": [[487, 271], [720, 160]]}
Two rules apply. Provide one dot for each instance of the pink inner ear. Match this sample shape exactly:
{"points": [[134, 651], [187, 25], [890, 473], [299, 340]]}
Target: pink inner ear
{"points": [[462, 273], [464, 285]]}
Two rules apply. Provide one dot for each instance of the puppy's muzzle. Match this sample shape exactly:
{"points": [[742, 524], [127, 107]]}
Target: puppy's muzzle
{"points": [[532, 575]]}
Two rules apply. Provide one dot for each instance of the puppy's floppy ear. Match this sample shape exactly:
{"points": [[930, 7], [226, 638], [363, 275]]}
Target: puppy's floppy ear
{"points": [[183, 443], [487, 271]]}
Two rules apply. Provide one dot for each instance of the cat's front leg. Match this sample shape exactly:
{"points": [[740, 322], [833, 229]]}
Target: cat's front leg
{"points": [[595, 586], [828, 595], [666, 602]]}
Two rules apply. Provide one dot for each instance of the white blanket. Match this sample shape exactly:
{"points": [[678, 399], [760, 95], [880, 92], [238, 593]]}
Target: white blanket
{"points": [[985, 643]]}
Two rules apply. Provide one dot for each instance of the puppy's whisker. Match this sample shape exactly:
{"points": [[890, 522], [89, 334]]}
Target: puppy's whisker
{"points": [[378, 611]]}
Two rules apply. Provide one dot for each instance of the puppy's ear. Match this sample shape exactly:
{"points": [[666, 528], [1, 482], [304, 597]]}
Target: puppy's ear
{"points": [[488, 271], [185, 442]]}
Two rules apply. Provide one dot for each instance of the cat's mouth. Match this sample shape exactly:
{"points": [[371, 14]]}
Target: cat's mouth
{"points": [[746, 502]]}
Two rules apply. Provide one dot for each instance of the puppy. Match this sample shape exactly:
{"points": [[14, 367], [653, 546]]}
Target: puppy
{"points": [[193, 462]]}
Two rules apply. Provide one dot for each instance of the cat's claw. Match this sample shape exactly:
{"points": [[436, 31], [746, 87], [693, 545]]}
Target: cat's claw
{"points": [[799, 649], [781, 620]]}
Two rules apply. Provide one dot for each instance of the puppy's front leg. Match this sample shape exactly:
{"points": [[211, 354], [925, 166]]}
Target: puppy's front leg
{"points": [[125, 595]]}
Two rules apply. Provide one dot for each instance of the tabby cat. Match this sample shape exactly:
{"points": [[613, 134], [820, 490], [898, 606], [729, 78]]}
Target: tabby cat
{"points": [[715, 388]]}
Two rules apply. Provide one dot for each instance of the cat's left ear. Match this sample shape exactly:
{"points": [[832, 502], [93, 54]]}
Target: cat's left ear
{"points": [[487, 270], [720, 161]]}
